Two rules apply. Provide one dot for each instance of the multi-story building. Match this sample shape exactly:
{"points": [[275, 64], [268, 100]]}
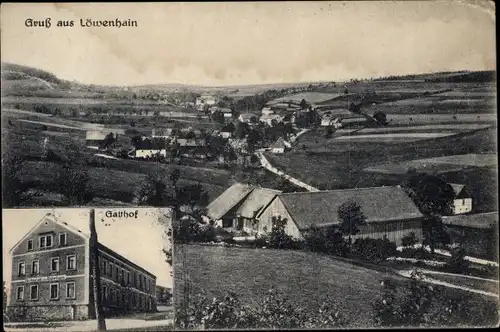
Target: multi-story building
{"points": [[51, 276]]}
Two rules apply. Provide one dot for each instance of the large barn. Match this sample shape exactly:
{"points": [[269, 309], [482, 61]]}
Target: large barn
{"points": [[388, 210]]}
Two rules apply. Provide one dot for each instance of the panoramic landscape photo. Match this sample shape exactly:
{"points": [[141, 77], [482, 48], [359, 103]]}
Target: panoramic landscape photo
{"points": [[327, 166]]}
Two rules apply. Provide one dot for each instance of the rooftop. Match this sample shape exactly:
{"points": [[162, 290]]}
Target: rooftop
{"points": [[378, 204]]}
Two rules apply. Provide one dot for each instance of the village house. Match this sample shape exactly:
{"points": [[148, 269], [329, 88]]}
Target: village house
{"points": [[95, 138], [462, 202], [280, 146], [248, 118], [228, 113], [150, 153], [476, 233], [270, 118], [192, 147], [51, 276], [205, 100], [238, 208], [339, 118]]}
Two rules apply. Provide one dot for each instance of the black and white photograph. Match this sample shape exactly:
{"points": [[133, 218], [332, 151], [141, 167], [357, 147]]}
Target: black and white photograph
{"points": [[306, 165], [77, 269]]}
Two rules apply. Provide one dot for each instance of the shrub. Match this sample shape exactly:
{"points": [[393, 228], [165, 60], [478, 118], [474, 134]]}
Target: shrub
{"points": [[409, 240], [373, 249], [457, 262], [274, 312]]}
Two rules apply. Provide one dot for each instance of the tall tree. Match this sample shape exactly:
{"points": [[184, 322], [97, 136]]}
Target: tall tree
{"points": [[351, 217], [96, 273], [14, 191], [72, 183]]}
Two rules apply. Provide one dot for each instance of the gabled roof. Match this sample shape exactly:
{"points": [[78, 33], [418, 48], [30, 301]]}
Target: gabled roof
{"points": [[459, 189], [378, 204], [256, 201], [227, 200], [479, 220], [51, 218], [279, 144]]}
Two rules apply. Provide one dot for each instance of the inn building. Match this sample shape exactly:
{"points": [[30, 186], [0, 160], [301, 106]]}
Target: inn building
{"points": [[51, 277]]}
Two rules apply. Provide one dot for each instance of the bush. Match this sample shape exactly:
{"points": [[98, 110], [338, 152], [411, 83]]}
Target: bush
{"points": [[418, 253], [409, 240], [457, 262], [373, 249], [325, 240], [274, 312]]}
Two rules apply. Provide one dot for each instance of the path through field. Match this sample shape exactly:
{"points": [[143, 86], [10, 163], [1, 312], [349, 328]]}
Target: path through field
{"points": [[408, 273], [266, 164]]}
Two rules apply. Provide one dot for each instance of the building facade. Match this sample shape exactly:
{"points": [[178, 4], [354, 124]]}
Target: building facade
{"points": [[51, 277]]}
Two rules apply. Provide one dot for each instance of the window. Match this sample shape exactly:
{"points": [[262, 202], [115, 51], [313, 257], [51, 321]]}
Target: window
{"points": [[34, 292], [30, 244], [71, 262], [21, 269], [54, 264], [116, 273], [46, 241], [110, 270], [54, 291], [62, 239], [123, 276], [70, 290], [128, 278], [35, 267], [104, 267], [20, 293]]}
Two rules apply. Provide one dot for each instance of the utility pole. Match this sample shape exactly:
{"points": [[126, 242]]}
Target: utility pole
{"points": [[95, 272]]}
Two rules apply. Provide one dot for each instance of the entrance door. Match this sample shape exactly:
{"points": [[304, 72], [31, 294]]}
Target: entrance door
{"points": [[73, 312]]}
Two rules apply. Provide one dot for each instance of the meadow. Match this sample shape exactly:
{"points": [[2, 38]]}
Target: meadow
{"points": [[306, 279]]}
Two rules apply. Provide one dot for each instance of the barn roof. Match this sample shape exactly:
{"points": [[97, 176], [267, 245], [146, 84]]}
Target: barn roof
{"points": [[480, 220], [258, 199], [227, 200], [378, 204]]}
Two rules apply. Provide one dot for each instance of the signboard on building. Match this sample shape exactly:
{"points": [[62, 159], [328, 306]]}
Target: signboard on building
{"points": [[49, 278]]}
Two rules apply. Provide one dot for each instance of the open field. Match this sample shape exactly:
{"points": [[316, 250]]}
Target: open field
{"points": [[307, 279], [329, 163], [445, 164]]}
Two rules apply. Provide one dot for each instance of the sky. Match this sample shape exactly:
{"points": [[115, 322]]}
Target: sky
{"points": [[240, 43], [140, 240]]}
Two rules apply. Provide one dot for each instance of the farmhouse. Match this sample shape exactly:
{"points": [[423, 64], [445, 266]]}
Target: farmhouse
{"points": [[95, 138], [270, 118], [248, 117], [462, 202], [388, 211], [477, 233], [342, 118], [239, 207], [150, 153], [279, 146], [267, 110], [51, 276], [228, 113]]}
